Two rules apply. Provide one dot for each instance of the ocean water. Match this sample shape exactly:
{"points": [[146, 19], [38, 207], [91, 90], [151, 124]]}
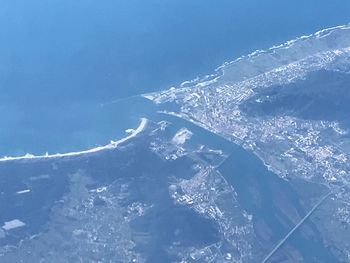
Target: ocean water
{"points": [[62, 60], [174, 191]]}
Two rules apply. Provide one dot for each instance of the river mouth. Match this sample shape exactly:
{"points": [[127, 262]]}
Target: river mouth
{"points": [[111, 157], [139, 176], [58, 66]]}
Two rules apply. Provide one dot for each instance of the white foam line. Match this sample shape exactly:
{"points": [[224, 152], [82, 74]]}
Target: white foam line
{"points": [[13, 224], [111, 145], [23, 191], [286, 44], [219, 71]]}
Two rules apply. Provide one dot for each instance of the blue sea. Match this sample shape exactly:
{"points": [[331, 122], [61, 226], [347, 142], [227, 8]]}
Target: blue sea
{"points": [[259, 179], [69, 69]]}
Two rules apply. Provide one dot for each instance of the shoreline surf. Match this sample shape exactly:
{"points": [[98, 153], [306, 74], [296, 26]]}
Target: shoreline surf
{"points": [[111, 145]]}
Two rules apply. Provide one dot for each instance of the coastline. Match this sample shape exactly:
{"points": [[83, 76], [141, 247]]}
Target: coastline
{"points": [[220, 71], [111, 145]]}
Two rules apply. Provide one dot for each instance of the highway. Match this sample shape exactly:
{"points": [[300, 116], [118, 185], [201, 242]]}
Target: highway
{"points": [[273, 251]]}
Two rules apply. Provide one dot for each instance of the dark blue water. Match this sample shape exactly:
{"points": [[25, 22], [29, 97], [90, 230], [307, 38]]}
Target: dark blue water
{"points": [[60, 59]]}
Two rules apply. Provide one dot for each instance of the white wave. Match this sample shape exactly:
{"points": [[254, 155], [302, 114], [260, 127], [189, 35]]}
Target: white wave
{"points": [[111, 145], [13, 224], [23, 191], [261, 61]]}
